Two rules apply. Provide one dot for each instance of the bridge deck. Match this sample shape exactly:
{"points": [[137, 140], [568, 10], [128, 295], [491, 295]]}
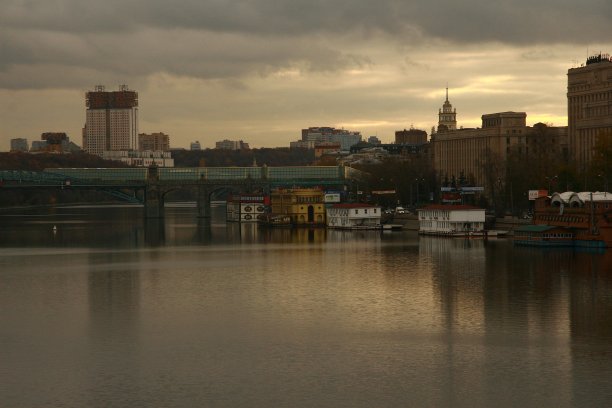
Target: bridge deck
{"points": [[82, 176]]}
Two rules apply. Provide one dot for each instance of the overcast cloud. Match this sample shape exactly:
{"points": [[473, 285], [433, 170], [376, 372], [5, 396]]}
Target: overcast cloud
{"points": [[259, 70]]}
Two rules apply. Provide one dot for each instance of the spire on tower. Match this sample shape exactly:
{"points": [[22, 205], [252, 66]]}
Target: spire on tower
{"points": [[447, 92]]}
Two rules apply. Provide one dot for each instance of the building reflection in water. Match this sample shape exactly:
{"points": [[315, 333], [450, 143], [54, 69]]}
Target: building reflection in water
{"points": [[591, 327], [491, 296], [114, 309]]}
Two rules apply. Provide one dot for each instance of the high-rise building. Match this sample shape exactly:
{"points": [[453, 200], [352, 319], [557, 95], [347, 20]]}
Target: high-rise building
{"points": [[589, 106], [195, 145], [19, 145], [447, 116], [111, 120], [154, 142]]}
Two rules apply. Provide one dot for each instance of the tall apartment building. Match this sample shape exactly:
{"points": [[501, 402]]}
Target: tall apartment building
{"points": [[111, 121], [154, 142], [589, 106]]}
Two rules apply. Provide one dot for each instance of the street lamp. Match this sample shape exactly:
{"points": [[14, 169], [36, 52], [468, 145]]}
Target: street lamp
{"points": [[418, 180], [605, 180], [550, 179]]}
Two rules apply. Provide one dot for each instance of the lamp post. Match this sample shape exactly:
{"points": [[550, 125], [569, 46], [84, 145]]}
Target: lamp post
{"points": [[605, 181], [550, 179], [418, 180]]}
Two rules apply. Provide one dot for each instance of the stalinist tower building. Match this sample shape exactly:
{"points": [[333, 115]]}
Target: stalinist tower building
{"points": [[447, 116]]}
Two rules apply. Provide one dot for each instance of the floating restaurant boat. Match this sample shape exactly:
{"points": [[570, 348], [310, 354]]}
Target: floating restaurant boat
{"points": [[569, 219], [452, 220], [357, 216]]}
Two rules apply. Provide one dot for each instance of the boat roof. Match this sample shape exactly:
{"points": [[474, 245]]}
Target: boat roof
{"points": [[450, 207], [583, 196], [353, 205]]}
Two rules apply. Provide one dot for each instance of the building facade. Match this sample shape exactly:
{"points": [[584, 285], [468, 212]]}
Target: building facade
{"points": [[246, 208], [452, 220], [475, 153], [354, 216], [156, 142], [195, 145], [19, 145], [140, 159], [231, 145], [304, 206], [326, 148], [111, 121], [589, 106], [411, 136], [314, 135]]}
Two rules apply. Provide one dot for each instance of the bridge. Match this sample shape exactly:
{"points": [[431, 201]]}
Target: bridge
{"points": [[149, 186]]}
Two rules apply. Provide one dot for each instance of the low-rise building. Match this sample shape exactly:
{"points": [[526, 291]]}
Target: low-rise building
{"points": [[303, 206], [140, 159], [326, 148]]}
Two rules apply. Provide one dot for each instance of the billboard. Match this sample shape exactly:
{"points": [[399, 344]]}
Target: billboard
{"points": [[533, 194], [331, 198]]}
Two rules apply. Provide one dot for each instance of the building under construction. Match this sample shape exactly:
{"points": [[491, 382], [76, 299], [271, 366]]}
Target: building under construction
{"points": [[111, 120]]}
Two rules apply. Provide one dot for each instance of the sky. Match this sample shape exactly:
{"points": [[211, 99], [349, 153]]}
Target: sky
{"points": [[261, 70]]}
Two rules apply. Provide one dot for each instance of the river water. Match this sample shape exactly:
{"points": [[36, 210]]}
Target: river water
{"points": [[107, 310]]}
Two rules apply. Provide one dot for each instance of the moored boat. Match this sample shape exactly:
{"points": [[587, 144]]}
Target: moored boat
{"points": [[570, 219]]}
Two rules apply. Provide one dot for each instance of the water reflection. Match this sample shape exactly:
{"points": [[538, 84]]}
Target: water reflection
{"points": [[186, 309]]}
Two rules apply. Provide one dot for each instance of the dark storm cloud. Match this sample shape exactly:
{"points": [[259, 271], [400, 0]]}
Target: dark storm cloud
{"points": [[68, 40], [517, 21]]}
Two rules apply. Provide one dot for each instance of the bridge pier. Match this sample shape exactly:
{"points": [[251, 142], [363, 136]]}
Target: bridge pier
{"points": [[203, 202], [153, 202], [153, 196]]}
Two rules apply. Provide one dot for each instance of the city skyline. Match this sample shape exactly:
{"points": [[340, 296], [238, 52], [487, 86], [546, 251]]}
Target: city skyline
{"points": [[261, 72]]}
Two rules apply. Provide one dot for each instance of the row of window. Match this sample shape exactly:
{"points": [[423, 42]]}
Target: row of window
{"points": [[546, 235], [561, 218]]}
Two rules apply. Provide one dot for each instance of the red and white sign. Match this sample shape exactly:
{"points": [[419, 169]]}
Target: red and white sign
{"points": [[533, 194]]}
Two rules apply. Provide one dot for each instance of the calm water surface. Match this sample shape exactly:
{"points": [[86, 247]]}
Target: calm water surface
{"points": [[112, 311]]}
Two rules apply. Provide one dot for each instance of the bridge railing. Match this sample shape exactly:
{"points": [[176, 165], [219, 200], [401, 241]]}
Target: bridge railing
{"points": [[209, 173], [137, 174]]}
